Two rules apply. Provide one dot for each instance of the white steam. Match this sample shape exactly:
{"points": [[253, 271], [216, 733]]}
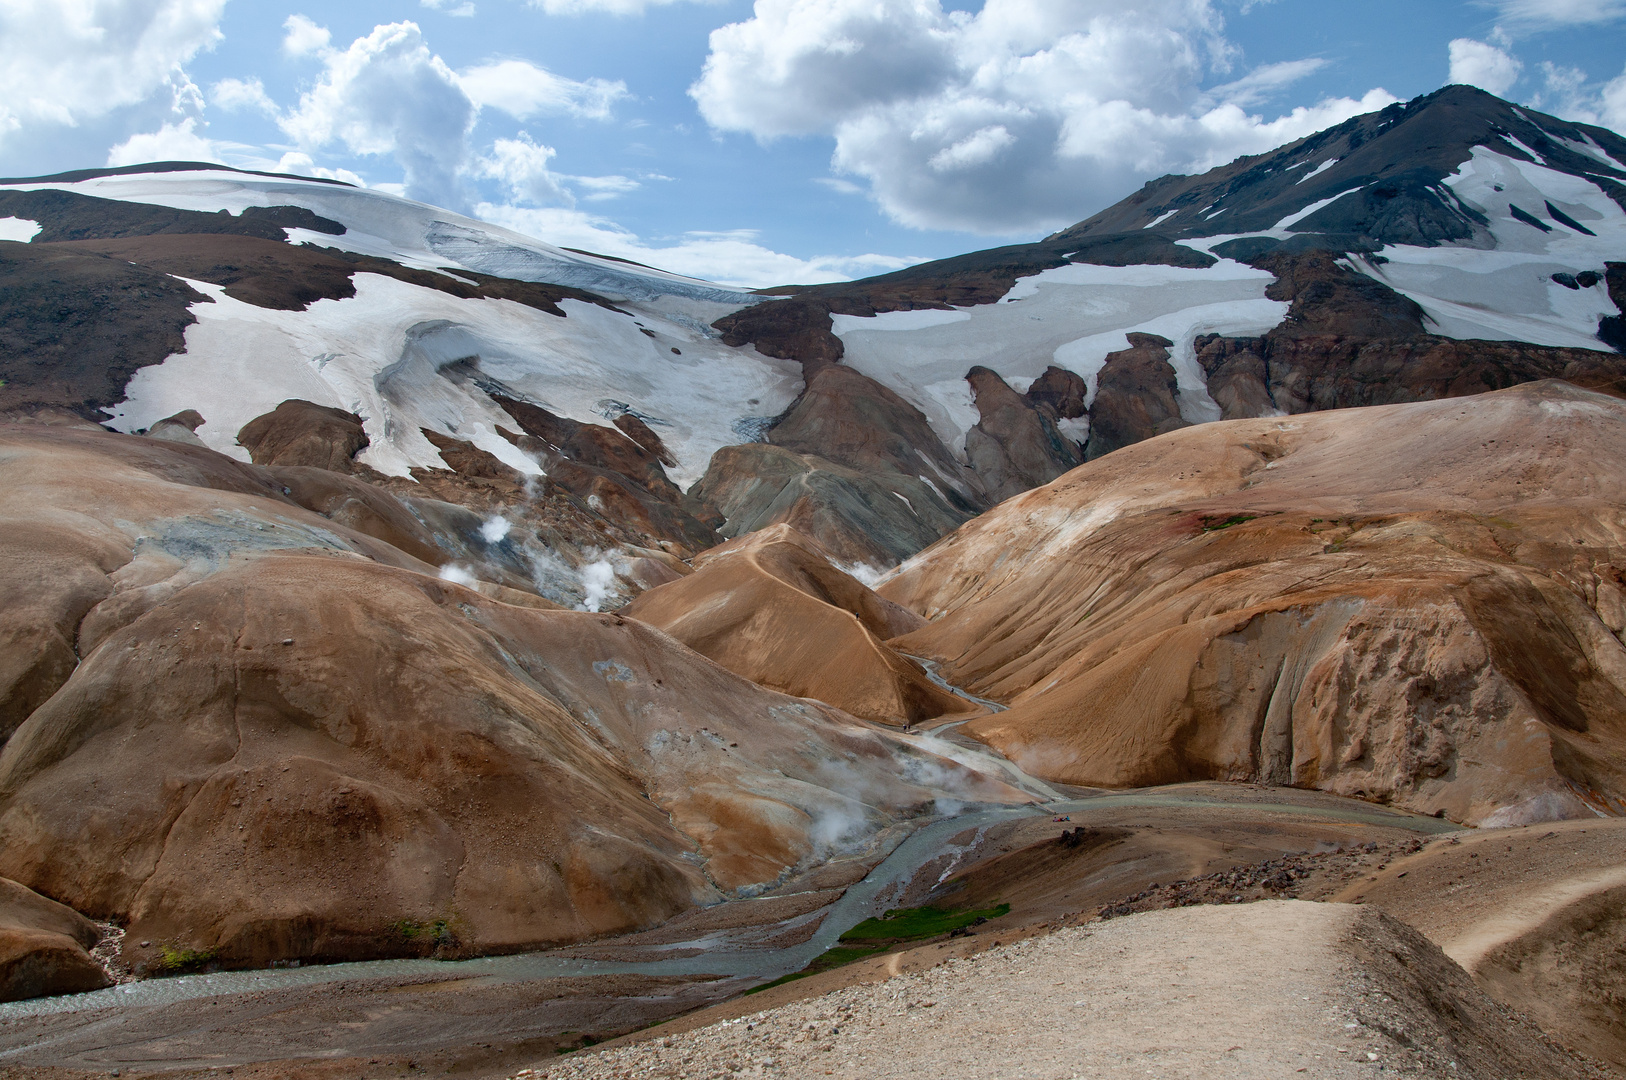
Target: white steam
{"points": [[458, 575], [495, 529], [865, 574], [598, 581]]}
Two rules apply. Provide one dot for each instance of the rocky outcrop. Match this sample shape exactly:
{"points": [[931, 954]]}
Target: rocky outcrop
{"points": [[860, 518], [618, 476], [1016, 445], [771, 607], [1612, 328], [43, 947], [1136, 396], [302, 433], [1414, 604], [1060, 391], [1349, 341], [850, 464]]}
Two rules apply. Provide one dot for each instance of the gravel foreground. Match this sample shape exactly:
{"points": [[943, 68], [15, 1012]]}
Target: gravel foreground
{"points": [[1274, 989]]}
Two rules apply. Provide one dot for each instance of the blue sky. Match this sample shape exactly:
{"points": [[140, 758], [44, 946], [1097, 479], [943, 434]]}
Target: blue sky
{"points": [[789, 140]]}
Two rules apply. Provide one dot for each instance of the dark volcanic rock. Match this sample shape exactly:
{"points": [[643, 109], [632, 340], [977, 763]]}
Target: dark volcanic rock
{"points": [[68, 215], [1136, 396], [462, 456], [75, 326], [288, 277], [1349, 340], [1015, 446], [616, 476], [1612, 328], [646, 437], [1061, 391], [874, 518], [850, 419], [852, 465], [1388, 167], [1238, 378], [303, 433]]}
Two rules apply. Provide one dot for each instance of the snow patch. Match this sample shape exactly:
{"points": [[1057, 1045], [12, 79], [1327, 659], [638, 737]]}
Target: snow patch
{"points": [[18, 230], [1507, 293], [406, 357], [1293, 219], [1317, 171], [897, 320], [1070, 316], [1161, 218]]}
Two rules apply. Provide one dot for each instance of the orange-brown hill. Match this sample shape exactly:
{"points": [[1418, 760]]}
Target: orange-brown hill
{"points": [[251, 733], [772, 607], [1413, 603]]}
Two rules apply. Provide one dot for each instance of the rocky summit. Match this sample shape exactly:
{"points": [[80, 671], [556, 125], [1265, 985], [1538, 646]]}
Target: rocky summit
{"points": [[420, 636]]}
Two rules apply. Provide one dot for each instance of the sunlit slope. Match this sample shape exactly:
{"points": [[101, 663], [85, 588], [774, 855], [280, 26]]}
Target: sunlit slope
{"points": [[1412, 603]]}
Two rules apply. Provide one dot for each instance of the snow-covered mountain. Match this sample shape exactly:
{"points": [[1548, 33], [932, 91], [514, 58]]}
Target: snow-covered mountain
{"points": [[1451, 244]]}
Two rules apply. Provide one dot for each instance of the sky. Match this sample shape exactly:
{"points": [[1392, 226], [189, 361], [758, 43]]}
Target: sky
{"points": [[762, 143]]}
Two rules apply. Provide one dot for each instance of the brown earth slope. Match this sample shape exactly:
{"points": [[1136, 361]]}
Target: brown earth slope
{"points": [[1414, 603], [254, 734], [772, 608], [1537, 915]]}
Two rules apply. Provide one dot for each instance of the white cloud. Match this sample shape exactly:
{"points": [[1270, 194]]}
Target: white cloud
{"points": [[451, 7], [235, 94], [1568, 92], [172, 142], [67, 61], [600, 188], [302, 165], [522, 167], [1553, 14], [1260, 83], [1475, 63], [733, 258], [523, 90], [388, 94], [304, 36], [1024, 115]]}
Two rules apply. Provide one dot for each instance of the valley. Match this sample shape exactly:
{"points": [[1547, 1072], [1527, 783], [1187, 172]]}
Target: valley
{"points": [[433, 651]]}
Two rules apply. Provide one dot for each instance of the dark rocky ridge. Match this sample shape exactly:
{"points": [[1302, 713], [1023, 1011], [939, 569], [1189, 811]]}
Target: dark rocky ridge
{"points": [[68, 215], [57, 308], [1349, 341]]}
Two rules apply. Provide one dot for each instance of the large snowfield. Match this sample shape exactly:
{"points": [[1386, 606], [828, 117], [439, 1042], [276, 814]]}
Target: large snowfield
{"points": [[385, 352]]}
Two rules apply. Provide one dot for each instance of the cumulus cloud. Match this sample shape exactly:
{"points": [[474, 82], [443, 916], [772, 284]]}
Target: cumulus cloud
{"points": [[1476, 63], [388, 94], [1024, 115], [237, 94], [523, 90], [304, 37], [522, 167], [172, 142], [733, 258], [68, 61]]}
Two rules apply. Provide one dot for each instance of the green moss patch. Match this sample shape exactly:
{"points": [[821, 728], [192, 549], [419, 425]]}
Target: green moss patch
{"points": [[875, 936]]}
